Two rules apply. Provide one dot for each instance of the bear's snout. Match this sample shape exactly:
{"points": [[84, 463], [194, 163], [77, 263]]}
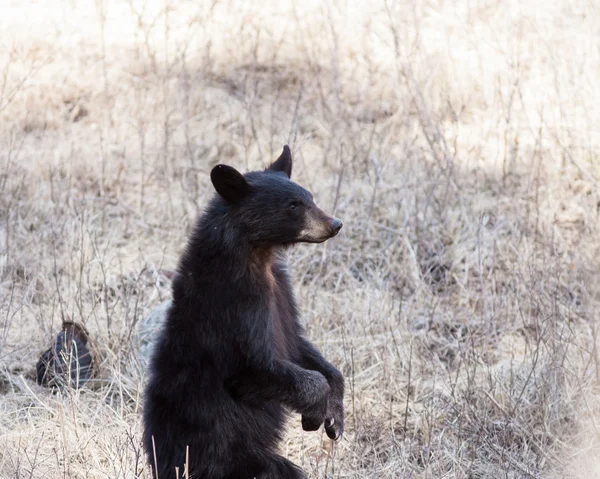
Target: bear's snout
{"points": [[336, 226], [318, 226]]}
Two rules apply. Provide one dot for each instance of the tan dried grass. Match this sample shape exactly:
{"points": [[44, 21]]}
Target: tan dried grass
{"points": [[457, 141]]}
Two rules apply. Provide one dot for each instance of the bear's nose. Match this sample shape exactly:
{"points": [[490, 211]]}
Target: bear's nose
{"points": [[336, 226]]}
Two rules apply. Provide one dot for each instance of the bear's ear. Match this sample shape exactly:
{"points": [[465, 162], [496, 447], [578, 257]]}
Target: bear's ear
{"points": [[229, 183], [284, 162]]}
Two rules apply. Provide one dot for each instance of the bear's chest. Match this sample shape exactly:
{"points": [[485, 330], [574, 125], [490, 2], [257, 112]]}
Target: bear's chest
{"points": [[282, 325]]}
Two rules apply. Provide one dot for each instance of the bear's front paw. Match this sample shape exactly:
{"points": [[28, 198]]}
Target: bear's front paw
{"points": [[316, 389], [334, 422], [311, 423], [313, 417]]}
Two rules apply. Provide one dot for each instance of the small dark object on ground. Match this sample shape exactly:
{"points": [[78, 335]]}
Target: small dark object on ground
{"points": [[68, 361]]}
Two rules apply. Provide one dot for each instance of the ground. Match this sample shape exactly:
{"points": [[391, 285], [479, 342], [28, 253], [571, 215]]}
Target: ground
{"points": [[459, 143]]}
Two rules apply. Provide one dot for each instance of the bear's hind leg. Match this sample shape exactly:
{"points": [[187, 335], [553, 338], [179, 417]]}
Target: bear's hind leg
{"points": [[280, 467], [276, 467]]}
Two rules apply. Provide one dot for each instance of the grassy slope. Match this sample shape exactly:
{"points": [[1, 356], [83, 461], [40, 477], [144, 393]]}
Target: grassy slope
{"points": [[458, 141]]}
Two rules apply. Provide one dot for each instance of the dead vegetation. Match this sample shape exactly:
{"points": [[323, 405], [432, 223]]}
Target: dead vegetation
{"points": [[458, 142]]}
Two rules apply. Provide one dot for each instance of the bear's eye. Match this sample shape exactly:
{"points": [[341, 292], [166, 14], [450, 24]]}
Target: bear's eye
{"points": [[294, 205]]}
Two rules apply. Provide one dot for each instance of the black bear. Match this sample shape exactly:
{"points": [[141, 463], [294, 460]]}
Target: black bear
{"points": [[231, 358]]}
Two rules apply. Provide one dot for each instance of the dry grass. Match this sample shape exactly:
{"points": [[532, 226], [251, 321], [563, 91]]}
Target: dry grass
{"points": [[459, 143]]}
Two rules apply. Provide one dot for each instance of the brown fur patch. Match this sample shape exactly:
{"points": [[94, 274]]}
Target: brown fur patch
{"points": [[262, 262]]}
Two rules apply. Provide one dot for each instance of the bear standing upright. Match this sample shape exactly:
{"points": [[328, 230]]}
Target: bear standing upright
{"points": [[231, 357]]}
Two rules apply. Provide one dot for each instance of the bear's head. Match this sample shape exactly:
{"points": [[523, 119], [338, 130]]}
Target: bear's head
{"points": [[270, 208]]}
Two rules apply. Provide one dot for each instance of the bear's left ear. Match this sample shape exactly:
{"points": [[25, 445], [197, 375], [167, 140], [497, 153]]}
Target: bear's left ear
{"points": [[284, 162], [229, 183]]}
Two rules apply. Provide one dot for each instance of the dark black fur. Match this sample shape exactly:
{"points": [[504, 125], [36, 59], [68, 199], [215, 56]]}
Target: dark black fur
{"points": [[232, 356]]}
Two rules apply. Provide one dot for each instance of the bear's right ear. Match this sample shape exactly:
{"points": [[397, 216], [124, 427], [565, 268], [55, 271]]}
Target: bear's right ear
{"points": [[229, 183]]}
